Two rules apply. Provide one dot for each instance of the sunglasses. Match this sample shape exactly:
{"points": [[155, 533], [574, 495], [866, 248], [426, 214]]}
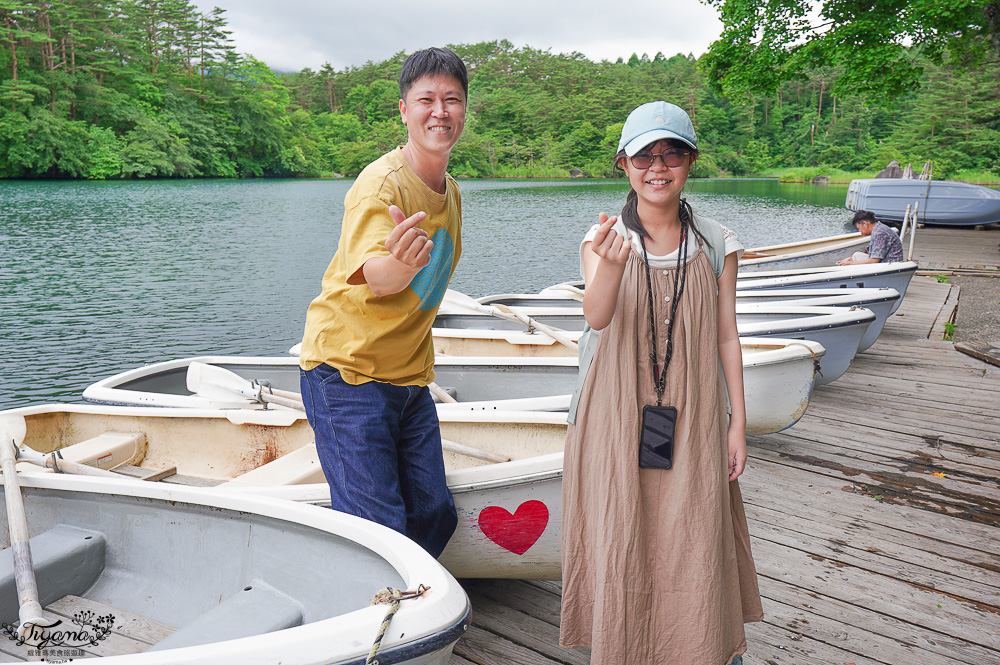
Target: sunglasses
{"points": [[671, 158]]}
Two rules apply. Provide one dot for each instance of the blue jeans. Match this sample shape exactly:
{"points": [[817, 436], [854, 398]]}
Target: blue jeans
{"points": [[380, 448], [737, 661]]}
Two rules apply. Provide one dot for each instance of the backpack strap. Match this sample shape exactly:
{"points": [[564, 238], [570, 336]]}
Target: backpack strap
{"points": [[716, 245]]}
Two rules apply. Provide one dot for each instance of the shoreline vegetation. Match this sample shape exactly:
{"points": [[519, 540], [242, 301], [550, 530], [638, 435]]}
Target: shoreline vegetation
{"points": [[157, 90]]}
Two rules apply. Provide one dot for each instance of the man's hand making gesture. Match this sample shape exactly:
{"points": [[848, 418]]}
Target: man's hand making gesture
{"points": [[409, 252]]}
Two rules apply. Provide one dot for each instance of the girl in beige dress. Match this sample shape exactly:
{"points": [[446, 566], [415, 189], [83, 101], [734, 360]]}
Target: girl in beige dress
{"points": [[656, 562]]}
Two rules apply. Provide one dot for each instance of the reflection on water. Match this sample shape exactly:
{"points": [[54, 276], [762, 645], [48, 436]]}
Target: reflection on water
{"points": [[99, 277]]}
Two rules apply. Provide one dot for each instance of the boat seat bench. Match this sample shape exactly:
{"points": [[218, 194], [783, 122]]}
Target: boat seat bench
{"points": [[256, 610], [67, 560], [297, 467], [105, 451]]}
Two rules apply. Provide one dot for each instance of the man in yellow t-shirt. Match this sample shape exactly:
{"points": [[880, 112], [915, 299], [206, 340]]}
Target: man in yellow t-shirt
{"points": [[367, 354]]}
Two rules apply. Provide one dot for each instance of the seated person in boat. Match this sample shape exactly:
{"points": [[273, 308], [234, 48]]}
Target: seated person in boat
{"points": [[367, 355], [884, 246]]}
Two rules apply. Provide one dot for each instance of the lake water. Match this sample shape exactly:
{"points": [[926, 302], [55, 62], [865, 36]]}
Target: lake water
{"points": [[100, 277]]}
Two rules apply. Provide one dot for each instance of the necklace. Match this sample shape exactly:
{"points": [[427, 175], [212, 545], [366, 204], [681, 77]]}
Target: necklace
{"points": [[660, 377]]}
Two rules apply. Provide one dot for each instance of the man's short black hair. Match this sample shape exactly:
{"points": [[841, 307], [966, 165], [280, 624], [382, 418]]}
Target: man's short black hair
{"points": [[863, 216], [432, 61]]}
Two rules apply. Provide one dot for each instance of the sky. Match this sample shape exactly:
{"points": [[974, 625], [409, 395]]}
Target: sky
{"points": [[293, 34]]}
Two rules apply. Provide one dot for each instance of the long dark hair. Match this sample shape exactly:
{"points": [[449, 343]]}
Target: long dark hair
{"points": [[630, 211]]}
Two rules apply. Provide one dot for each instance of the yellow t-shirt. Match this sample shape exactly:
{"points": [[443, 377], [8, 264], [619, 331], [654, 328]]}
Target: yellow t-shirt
{"points": [[385, 339]]}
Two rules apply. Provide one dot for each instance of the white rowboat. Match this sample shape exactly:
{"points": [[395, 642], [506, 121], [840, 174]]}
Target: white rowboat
{"points": [[770, 367], [198, 576], [806, 254]]}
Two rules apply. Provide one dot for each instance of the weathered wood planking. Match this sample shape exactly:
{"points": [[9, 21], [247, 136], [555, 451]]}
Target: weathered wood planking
{"points": [[863, 555], [131, 634]]}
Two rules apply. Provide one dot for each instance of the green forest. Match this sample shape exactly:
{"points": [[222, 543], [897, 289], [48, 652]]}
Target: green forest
{"points": [[154, 88]]}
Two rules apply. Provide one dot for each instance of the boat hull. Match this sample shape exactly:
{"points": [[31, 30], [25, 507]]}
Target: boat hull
{"points": [[942, 202], [879, 276], [809, 254]]}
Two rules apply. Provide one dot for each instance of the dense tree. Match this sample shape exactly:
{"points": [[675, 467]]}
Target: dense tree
{"points": [[153, 88], [877, 46]]}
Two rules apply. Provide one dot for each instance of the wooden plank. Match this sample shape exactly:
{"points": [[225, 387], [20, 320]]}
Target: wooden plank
{"points": [[12, 654], [519, 595], [860, 542], [890, 541], [876, 634], [922, 573], [988, 353], [945, 315], [887, 401], [921, 455], [130, 625], [966, 498], [152, 475], [549, 585], [956, 423], [978, 439], [930, 371], [535, 634], [110, 645], [926, 391], [485, 648], [774, 642], [917, 605], [193, 481], [916, 439], [831, 495], [458, 660]]}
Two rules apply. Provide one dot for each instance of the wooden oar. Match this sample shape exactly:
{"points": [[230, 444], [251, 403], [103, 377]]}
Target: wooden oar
{"points": [[12, 431], [441, 394], [460, 301], [52, 461], [574, 291], [469, 451], [218, 383]]}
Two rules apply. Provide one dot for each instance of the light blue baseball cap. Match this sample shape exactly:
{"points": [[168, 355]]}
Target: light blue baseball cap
{"points": [[654, 121]]}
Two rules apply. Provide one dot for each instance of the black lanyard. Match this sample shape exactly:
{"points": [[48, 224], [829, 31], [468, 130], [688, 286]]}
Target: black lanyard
{"points": [[660, 378]]}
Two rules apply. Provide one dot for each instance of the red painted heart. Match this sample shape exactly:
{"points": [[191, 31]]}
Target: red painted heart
{"points": [[517, 532]]}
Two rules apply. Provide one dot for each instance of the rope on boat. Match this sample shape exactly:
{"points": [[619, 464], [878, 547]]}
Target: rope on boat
{"points": [[391, 597], [813, 354]]}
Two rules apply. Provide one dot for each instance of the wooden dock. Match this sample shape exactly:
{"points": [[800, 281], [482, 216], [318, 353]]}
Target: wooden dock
{"points": [[875, 520]]}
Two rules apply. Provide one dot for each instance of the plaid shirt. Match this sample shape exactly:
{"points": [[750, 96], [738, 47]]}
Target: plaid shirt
{"points": [[885, 244]]}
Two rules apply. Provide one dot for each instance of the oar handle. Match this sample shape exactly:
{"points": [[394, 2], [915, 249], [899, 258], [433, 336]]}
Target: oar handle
{"points": [[541, 327], [30, 612], [286, 394], [469, 451], [569, 288], [440, 393], [270, 398]]}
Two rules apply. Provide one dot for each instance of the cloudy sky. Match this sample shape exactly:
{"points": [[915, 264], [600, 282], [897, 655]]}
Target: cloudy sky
{"points": [[292, 34]]}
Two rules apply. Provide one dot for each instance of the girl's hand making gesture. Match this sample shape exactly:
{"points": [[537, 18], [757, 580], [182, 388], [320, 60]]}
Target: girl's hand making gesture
{"points": [[608, 244], [603, 267]]}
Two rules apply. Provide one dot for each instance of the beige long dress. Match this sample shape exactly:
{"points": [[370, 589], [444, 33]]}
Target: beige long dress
{"points": [[656, 563]]}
